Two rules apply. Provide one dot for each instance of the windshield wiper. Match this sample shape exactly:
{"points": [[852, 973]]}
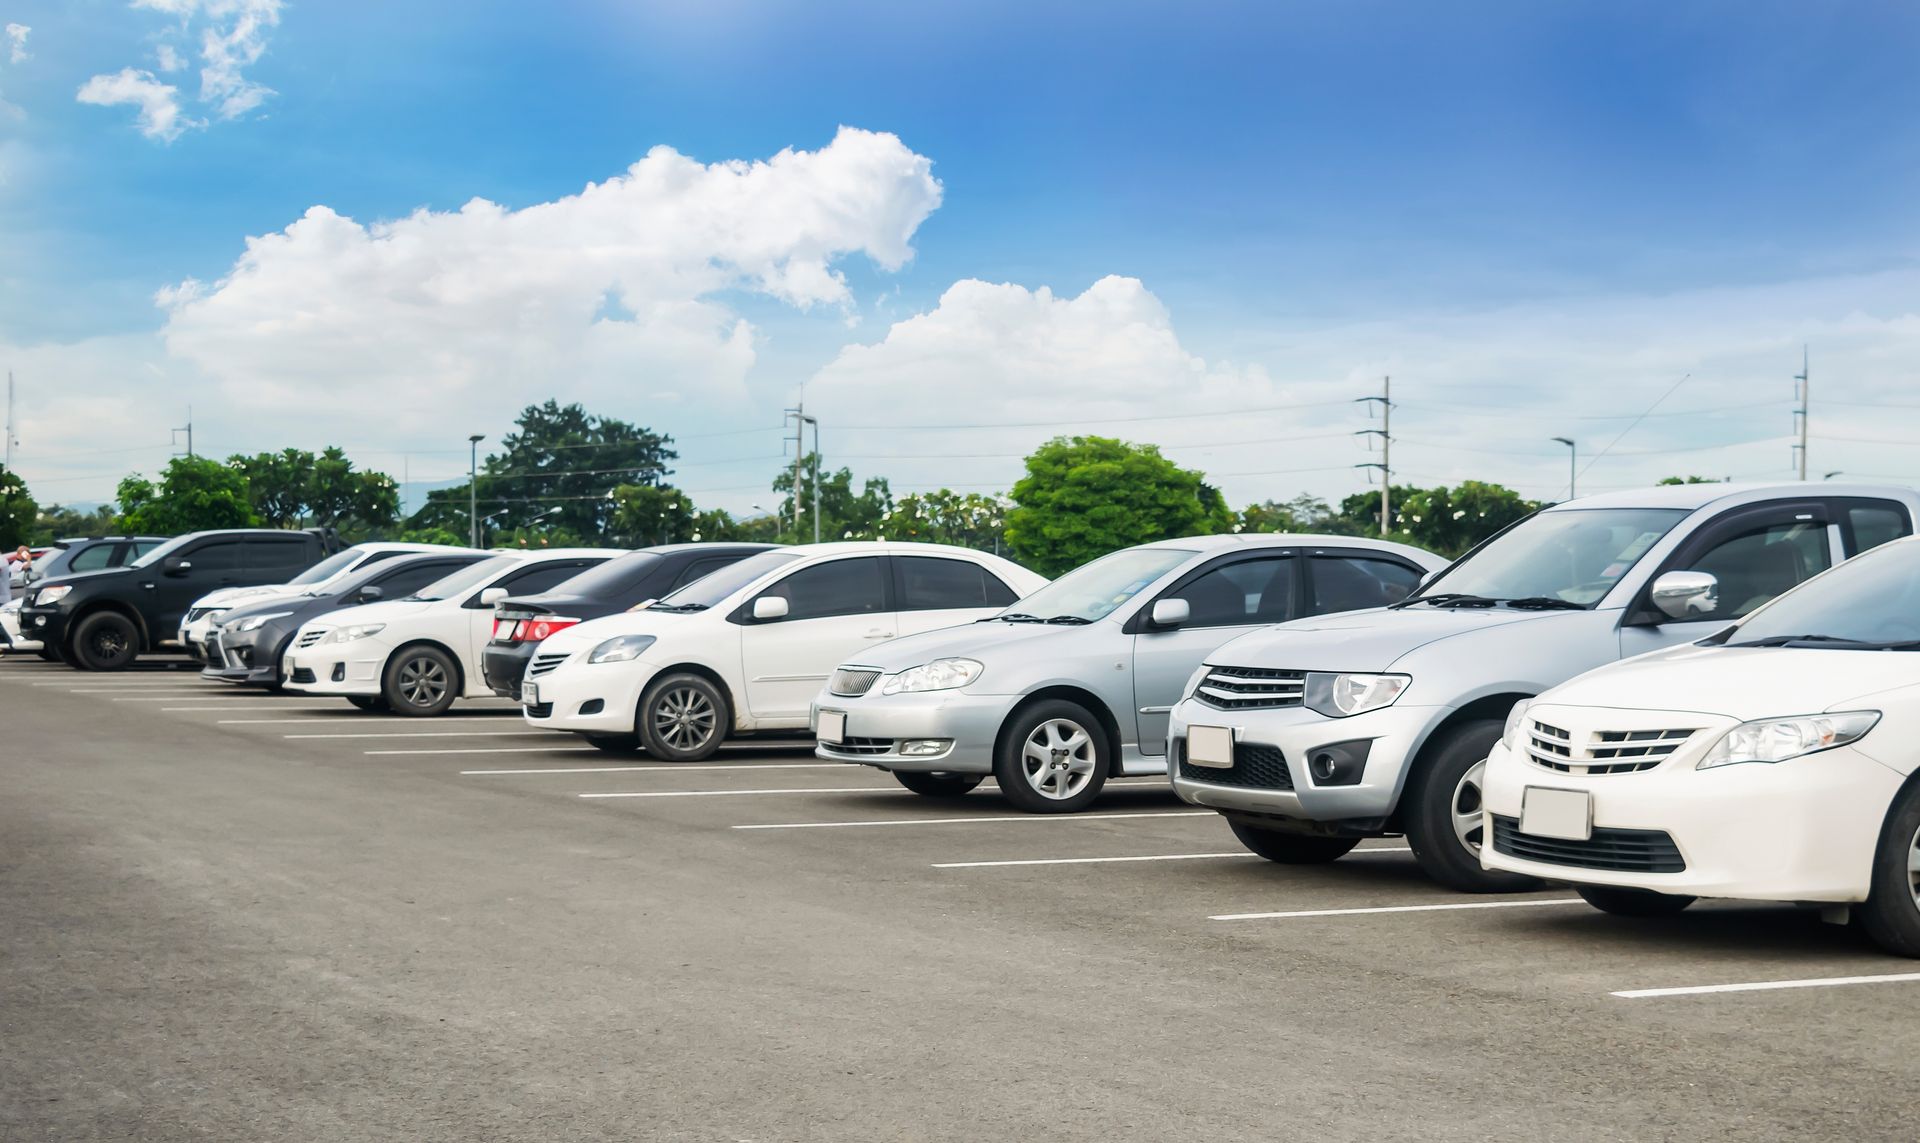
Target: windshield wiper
{"points": [[1441, 600], [1068, 620], [1784, 640], [1543, 603], [1015, 617], [679, 607]]}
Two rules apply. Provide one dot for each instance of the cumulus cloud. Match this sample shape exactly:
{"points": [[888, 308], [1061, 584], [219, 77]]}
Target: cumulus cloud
{"points": [[159, 115], [608, 295], [17, 42], [232, 36], [167, 58]]}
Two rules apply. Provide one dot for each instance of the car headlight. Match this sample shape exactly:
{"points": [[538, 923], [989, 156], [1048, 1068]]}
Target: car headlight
{"points": [[1779, 739], [939, 675], [621, 649], [48, 595], [1339, 696], [357, 631], [1515, 736], [256, 622]]}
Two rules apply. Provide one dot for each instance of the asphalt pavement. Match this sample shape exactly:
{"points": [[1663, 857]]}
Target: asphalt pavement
{"points": [[228, 916]]}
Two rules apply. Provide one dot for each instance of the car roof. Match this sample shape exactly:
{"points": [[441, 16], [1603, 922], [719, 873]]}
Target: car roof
{"points": [[1692, 497], [1226, 542], [405, 546], [718, 546], [559, 553]]}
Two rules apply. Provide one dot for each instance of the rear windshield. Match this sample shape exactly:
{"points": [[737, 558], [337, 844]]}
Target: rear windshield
{"points": [[717, 587], [326, 568], [610, 578]]}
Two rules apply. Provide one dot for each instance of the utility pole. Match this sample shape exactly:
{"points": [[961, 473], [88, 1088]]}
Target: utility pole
{"points": [[187, 429], [1801, 389], [800, 423], [1573, 471], [9, 420], [816, 478], [1385, 433], [473, 489]]}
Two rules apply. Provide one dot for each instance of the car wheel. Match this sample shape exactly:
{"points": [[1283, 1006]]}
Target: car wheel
{"points": [[1053, 758], [1633, 902], [1443, 816], [615, 743], [368, 702], [1292, 848], [105, 641], [938, 785], [420, 681], [683, 718], [50, 653], [1891, 915]]}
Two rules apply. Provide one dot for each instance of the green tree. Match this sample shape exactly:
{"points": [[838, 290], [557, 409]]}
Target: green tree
{"points": [[277, 484], [1303, 513], [844, 513], [946, 517], [1690, 480], [294, 486], [193, 493], [18, 512], [58, 522], [1451, 520], [433, 536], [647, 514], [567, 458], [1086, 496]]}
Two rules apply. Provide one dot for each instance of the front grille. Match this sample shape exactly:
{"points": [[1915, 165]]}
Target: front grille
{"points": [[858, 746], [544, 665], [1603, 751], [301, 675], [310, 638], [194, 613], [1254, 765], [852, 682], [539, 710], [1615, 850], [1251, 688]]}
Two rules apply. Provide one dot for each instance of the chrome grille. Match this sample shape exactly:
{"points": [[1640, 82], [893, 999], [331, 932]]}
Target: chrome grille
{"points": [[852, 682], [1603, 751], [545, 665], [858, 746], [309, 638], [1251, 688]]}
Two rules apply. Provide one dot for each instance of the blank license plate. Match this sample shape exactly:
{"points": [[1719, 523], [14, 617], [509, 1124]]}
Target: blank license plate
{"points": [[1566, 814], [530, 693], [1210, 746], [833, 726]]}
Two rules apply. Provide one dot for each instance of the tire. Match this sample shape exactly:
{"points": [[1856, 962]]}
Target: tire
{"points": [[683, 717], [1292, 848], [1053, 758], [1891, 916], [368, 702], [420, 681], [1441, 808], [615, 743], [105, 641], [938, 785], [1633, 902], [50, 653]]}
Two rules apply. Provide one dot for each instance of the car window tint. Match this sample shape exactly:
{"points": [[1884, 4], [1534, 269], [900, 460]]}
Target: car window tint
{"points": [[142, 547], [700, 569], [1875, 524], [220, 555], [92, 559], [267, 557], [1349, 583], [1242, 592], [842, 587], [929, 583], [1757, 563], [404, 581], [541, 577]]}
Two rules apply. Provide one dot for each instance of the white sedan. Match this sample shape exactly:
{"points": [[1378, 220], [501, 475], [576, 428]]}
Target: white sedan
{"points": [[1771, 761], [746, 649], [417, 655]]}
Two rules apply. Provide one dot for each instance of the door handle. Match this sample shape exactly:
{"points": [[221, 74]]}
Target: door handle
{"points": [[879, 635]]}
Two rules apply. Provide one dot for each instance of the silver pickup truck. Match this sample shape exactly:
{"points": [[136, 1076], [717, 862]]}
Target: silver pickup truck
{"points": [[1312, 735]]}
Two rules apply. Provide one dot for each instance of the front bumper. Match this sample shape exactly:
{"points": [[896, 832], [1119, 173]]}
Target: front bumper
{"points": [[877, 725], [1290, 790], [241, 657], [1801, 830], [47, 624], [504, 667], [338, 668], [590, 698], [19, 640]]}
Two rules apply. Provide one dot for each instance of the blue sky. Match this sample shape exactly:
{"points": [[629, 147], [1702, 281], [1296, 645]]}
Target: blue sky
{"points": [[1545, 212]]}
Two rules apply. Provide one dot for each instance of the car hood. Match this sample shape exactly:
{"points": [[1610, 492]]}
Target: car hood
{"points": [[1369, 640], [981, 641], [1741, 682], [235, 596], [386, 612], [289, 604], [77, 578]]}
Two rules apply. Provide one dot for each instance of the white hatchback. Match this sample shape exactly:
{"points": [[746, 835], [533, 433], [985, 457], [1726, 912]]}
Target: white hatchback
{"points": [[417, 655], [1774, 760], [747, 648]]}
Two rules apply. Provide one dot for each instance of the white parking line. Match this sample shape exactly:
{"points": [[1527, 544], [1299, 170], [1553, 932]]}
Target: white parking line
{"points": [[1394, 909], [891, 791], [264, 704], [668, 767], [1767, 985], [353, 718], [1012, 818], [1115, 860], [229, 700], [494, 750], [432, 734]]}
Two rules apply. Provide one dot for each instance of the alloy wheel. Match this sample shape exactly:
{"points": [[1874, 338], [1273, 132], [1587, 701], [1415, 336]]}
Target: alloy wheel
{"points": [[1913, 867], [423, 682], [684, 718], [1464, 810], [1058, 759]]}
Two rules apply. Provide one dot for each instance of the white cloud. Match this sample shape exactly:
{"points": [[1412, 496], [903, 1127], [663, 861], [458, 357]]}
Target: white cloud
{"points": [[167, 58], [484, 309], [17, 42], [159, 103]]}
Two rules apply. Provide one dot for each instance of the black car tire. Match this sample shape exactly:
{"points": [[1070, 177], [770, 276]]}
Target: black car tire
{"points": [[938, 785], [1037, 740], [683, 717], [1891, 916], [1443, 789], [1292, 848], [105, 641], [368, 702], [420, 681], [50, 653], [1633, 902], [615, 743]]}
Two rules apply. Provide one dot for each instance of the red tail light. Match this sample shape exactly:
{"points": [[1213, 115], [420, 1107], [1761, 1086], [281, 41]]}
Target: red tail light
{"points": [[543, 627]]}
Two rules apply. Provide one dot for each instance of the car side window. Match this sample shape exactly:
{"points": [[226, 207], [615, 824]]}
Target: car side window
{"points": [[142, 547], [93, 559], [220, 555], [283, 559], [1875, 524], [542, 577], [1239, 593], [1756, 563], [404, 581], [930, 583], [842, 587], [1349, 583]]}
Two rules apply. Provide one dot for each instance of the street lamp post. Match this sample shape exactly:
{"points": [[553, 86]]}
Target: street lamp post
{"points": [[1573, 454], [473, 490]]}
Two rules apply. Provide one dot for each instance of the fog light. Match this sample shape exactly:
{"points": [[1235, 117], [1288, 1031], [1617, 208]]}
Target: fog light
{"points": [[924, 747], [339, 672], [39, 621], [1339, 763], [593, 706]]}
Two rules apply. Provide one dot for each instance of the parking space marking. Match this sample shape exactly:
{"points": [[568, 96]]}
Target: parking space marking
{"points": [[495, 750], [1767, 985], [228, 700], [662, 768], [430, 734], [889, 791], [1009, 818], [1117, 860], [1393, 909], [305, 704], [352, 718]]}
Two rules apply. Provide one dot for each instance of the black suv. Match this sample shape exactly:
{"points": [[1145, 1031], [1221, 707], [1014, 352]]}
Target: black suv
{"points": [[91, 553], [103, 620], [521, 622]]}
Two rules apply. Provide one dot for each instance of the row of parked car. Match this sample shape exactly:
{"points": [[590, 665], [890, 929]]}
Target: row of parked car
{"points": [[1630, 693]]}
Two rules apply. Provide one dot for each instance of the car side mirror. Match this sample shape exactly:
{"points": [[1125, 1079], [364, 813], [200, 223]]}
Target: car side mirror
{"points": [[1686, 594], [368, 594], [769, 607], [492, 596], [175, 565], [1169, 613]]}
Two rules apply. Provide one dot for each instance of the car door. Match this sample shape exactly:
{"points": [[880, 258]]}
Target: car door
{"points": [[1226, 597], [206, 567], [525, 579], [1755, 553], [834, 609], [930, 592]]}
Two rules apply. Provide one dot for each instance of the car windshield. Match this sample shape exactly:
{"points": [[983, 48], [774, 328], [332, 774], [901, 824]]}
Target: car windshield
{"points": [[327, 568], [1568, 558], [1872, 600], [714, 589], [1094, 590], [471, 576], [610, 578], [162, 552]]}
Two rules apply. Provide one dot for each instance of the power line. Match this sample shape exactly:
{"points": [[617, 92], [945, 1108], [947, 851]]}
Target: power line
{"points": [[1636, 422]]}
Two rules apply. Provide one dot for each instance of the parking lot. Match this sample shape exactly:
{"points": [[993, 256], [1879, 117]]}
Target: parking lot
{"points": [[231, 915]]}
